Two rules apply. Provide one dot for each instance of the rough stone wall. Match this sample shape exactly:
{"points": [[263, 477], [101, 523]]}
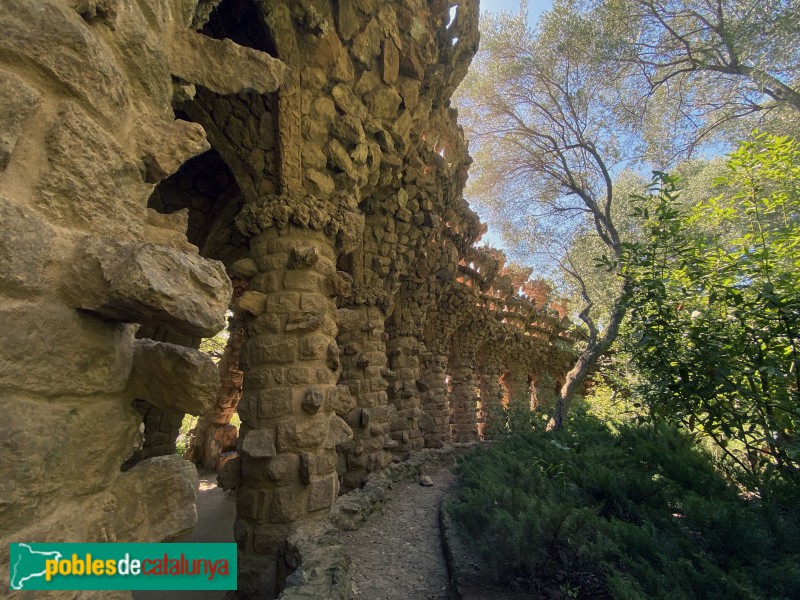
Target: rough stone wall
{"points": [[309, 146], [87, 130]]}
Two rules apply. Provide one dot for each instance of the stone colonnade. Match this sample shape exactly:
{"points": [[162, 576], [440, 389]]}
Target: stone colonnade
{"points": [[152, 150]]}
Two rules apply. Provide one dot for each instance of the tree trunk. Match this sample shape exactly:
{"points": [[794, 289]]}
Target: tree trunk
{"points": [[577, 375]]}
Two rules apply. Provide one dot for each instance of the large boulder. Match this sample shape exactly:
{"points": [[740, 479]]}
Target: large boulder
{"points": [[154, 284], [156, 500], [173, 378]]}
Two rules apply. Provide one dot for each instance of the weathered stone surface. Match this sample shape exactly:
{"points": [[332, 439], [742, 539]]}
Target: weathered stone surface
{"points": [[85, 162], [348, 158], [91, 356], [305, 435], [245, 268], [156, 500], [252, 302], [259, 443], [168, 146], [25, 243], [42, 437], [338, 433], [151, 284], [173, 377], [55, 39], [18, 101], [312, 400], [205, 61]]}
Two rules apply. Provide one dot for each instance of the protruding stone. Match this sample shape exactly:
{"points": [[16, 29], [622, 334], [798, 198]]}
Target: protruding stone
{"points": [[151, 284], [252, 302], [303, 257], [312, 400], [338, 433], [205, 61], [259, 443], [173, 377], [141, 515], [245, 268]]}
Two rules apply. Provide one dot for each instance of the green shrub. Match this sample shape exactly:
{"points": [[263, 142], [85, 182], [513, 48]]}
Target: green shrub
{"points": [[642, 509]]}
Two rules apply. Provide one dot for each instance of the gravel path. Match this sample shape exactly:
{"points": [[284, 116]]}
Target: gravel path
{"points": [[398, 554]]}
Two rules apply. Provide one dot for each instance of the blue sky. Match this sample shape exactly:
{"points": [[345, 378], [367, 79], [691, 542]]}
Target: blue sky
{"points": [[535, 7]]}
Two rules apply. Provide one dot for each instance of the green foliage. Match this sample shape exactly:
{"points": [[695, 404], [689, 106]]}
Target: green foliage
{"points": [[188, 423], [715, 307], [643, 510]]}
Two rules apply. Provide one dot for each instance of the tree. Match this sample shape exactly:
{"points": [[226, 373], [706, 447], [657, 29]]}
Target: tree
{"points": [[548, 142], [715, 307], [705, 67]]}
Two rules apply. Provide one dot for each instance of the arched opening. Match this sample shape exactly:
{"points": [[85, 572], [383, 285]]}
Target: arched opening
{"points": [[205, 188], [240, 21]]}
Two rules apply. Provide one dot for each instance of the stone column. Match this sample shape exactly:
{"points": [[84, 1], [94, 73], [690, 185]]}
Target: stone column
{"points": [[435, 422], [491, 397], [402, 350], [466, 395], [289, 430], [362, 341]]}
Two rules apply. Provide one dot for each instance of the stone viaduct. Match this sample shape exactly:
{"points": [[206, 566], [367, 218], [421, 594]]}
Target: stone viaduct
{"points": [[290, 168]]}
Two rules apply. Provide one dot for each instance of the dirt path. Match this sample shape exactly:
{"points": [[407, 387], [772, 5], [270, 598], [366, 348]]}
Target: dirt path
{"points": [[398, 554]]}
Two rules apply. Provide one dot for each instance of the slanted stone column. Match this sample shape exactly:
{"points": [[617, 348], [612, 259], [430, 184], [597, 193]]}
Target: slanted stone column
{"points": [[435, 422], [214, 440], [362, 342], [289, 430], [403, 352], [466, 395], [491, 396]]}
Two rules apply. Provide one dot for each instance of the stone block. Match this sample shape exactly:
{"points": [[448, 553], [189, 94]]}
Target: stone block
{"points": [[265, 349], [259, 443], [313, 347], [274, 402], [307, 434], [206, 61], [244, 268], [312, 400], [230, 477], [252, 302], [284, 505], [322, 493], [55, 39], [282, 466], [299, 375], [173, 378], [85, 162], [303, 321], [151, 284], [338, 432], [141, 514]]}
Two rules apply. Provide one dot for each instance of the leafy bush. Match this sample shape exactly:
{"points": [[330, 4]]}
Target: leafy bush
{"points": [[714, 304], [641, 510]]}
